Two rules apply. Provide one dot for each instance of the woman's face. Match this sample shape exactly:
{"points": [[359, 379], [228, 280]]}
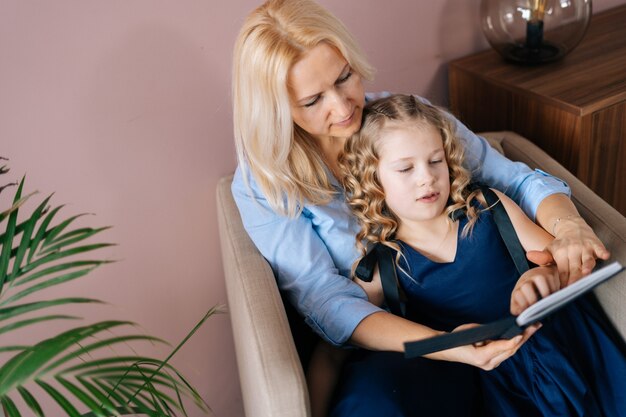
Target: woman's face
{"points": [[326, 94]]}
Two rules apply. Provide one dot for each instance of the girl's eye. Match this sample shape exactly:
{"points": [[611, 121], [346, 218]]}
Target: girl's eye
{"points": [[312, 102], [403, 170], [436, 161]]}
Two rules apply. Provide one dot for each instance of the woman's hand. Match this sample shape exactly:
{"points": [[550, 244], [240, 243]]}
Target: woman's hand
{"points": [[533, 285], [490, 354], [574, 249]]}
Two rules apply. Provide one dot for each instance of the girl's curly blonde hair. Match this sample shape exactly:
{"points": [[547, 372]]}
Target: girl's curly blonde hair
{"points": [[359, 166]]}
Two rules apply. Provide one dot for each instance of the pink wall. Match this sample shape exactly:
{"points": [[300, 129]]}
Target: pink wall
{"points": [[123, 108]]}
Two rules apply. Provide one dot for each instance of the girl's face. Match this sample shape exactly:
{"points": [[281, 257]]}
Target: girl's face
{"points": [[413, 172], [326, 95]]}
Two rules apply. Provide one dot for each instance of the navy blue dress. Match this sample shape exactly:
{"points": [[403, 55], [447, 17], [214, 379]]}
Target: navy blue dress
{"points": [[570, 367]]}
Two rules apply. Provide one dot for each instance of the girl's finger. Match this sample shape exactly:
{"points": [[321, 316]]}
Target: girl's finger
{"points": [[528, 291], [541, 283]]}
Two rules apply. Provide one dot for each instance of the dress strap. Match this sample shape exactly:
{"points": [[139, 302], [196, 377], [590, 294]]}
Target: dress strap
{"points": [[507, 232], [385, 257], [389, 280]]}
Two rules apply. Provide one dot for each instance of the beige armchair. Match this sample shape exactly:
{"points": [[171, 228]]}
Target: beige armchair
{"points": [[272, 379]]}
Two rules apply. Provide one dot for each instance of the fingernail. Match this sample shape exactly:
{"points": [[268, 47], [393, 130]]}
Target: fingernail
{"points": [[517, 339]]}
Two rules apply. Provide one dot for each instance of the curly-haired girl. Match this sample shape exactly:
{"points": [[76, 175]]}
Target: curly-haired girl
{"points": [[405, 182]]}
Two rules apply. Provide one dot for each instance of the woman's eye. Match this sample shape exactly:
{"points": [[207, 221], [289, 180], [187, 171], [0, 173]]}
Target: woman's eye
{"points": [[344, 78], [312, 102]]}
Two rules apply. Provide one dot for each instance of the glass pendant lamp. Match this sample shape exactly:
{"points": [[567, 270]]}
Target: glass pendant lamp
{"points": [[534, 31]]}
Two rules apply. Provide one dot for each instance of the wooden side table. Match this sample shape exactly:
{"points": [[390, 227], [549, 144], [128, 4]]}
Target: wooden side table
{"points": [[575, 109]]}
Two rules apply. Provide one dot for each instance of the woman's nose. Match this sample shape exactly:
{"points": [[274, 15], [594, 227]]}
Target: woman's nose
{"points": [[340, 105]]}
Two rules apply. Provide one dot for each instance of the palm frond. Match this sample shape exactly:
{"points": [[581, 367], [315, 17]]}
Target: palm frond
{"points": [[30, 400], [28, 322], [74, 368], [7, 244]]}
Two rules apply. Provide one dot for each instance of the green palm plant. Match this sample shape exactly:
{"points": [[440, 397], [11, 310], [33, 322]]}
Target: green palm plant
{"points": [[74, 368]]}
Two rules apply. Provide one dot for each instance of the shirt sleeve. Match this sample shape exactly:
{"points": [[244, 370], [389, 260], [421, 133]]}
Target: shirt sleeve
{"points": [[523, 185], [331, 303]]}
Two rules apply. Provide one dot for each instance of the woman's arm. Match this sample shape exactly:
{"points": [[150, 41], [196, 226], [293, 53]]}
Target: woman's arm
{"points": [[385, 331], [542, 197], [576, 246], [331, 303]]}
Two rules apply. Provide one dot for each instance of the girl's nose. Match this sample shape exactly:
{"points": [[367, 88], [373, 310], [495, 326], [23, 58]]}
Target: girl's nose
{"points": [[426, 177]]}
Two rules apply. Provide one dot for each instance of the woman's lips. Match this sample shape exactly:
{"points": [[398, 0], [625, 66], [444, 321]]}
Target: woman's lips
{"points": [[348, 121]]}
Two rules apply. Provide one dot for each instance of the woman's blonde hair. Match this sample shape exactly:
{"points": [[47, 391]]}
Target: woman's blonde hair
{"points": [[284, 159], [359, 165]]}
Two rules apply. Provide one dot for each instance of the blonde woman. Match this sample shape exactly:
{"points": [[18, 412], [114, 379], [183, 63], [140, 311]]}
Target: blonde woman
{"points": [[405, 182], [297, 95]]}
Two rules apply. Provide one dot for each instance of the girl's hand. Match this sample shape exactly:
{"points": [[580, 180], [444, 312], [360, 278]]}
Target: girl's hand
{"points": [[574, 249], [533, 285], [490, 354]]}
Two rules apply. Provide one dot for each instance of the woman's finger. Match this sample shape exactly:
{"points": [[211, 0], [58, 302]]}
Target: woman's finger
{"points": [[540, 257], [588, 263], [575, 259], [600, 251], [561, 259]]}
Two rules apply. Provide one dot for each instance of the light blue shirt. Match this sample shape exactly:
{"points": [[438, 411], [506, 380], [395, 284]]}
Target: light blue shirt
{"points": [[312, 255]]}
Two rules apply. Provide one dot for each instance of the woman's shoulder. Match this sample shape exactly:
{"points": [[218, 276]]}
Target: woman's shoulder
{"points": [[245, 185], [250, 200]]}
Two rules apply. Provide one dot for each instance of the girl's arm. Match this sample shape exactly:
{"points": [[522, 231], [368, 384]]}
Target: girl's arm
{"points": [[537, 282], [373, 289], [385, 331], [331, 304], [531, 236]]}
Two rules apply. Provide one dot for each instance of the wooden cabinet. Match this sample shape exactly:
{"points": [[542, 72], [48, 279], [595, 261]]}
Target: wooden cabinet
{"points": [[574, 109]]}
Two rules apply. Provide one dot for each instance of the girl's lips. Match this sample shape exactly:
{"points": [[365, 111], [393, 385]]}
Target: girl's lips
{"points": [[429, 198]]}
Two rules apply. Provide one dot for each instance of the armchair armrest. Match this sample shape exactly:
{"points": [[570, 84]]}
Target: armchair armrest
{"points": [[271, 376]]}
